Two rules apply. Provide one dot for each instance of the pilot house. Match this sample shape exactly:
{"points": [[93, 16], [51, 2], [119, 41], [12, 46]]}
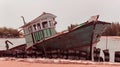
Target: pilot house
{"points": [[39, 28]]}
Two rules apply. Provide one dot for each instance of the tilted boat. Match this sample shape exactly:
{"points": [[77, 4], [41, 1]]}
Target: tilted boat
{"points": [[42, 40], [40, 34]]}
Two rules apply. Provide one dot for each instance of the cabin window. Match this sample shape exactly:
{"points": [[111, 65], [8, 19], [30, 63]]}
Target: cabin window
{"points": [[30, 29], [53, 18], [50, 23], [35, 27], [44, 24], [38, 25]]}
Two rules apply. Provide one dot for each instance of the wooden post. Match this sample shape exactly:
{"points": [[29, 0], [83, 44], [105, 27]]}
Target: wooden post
{"points": [[91, 44]]}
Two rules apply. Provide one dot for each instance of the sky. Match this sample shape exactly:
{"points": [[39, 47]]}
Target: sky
{"points": [[67, 11]]}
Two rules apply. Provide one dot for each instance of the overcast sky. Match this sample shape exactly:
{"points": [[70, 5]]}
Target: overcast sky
{"points": [[67, 11]]}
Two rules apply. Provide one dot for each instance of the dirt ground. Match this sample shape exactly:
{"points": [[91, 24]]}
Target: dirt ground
{"points": [[25, 64], [41, 62]]}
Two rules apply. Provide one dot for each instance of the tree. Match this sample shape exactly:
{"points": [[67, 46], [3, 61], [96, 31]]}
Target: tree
{"points": [[112, 30], [9, 32]]}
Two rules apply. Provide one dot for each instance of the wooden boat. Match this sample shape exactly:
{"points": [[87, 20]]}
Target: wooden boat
{"points": [[41, 36]]}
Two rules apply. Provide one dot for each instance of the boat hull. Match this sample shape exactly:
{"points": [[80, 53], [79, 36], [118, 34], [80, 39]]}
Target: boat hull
{"points": [[79, 38], [76, 43]]}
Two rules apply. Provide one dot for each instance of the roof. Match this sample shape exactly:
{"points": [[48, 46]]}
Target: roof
{"points": [[42, 16]]}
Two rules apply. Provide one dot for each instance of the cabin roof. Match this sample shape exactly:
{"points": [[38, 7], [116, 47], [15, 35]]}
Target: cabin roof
{"points": [[42, 16]]}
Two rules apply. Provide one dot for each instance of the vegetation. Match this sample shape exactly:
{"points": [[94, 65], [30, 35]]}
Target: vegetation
{"points": [[9, 33], [112, 30]]}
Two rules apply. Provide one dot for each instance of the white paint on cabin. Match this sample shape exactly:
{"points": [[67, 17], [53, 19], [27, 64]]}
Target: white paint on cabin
{"points": [[39, 28], [46, 20]]}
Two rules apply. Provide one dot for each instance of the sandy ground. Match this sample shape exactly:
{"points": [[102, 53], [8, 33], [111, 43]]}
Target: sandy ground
{"points": [[24, 64], [12, 62]]}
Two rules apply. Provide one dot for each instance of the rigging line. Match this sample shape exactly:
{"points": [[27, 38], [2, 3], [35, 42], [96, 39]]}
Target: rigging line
{"points": [[106, 41]]}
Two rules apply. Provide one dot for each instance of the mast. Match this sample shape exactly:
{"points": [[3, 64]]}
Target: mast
{"points": [[23, 20], [106, 40]]}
